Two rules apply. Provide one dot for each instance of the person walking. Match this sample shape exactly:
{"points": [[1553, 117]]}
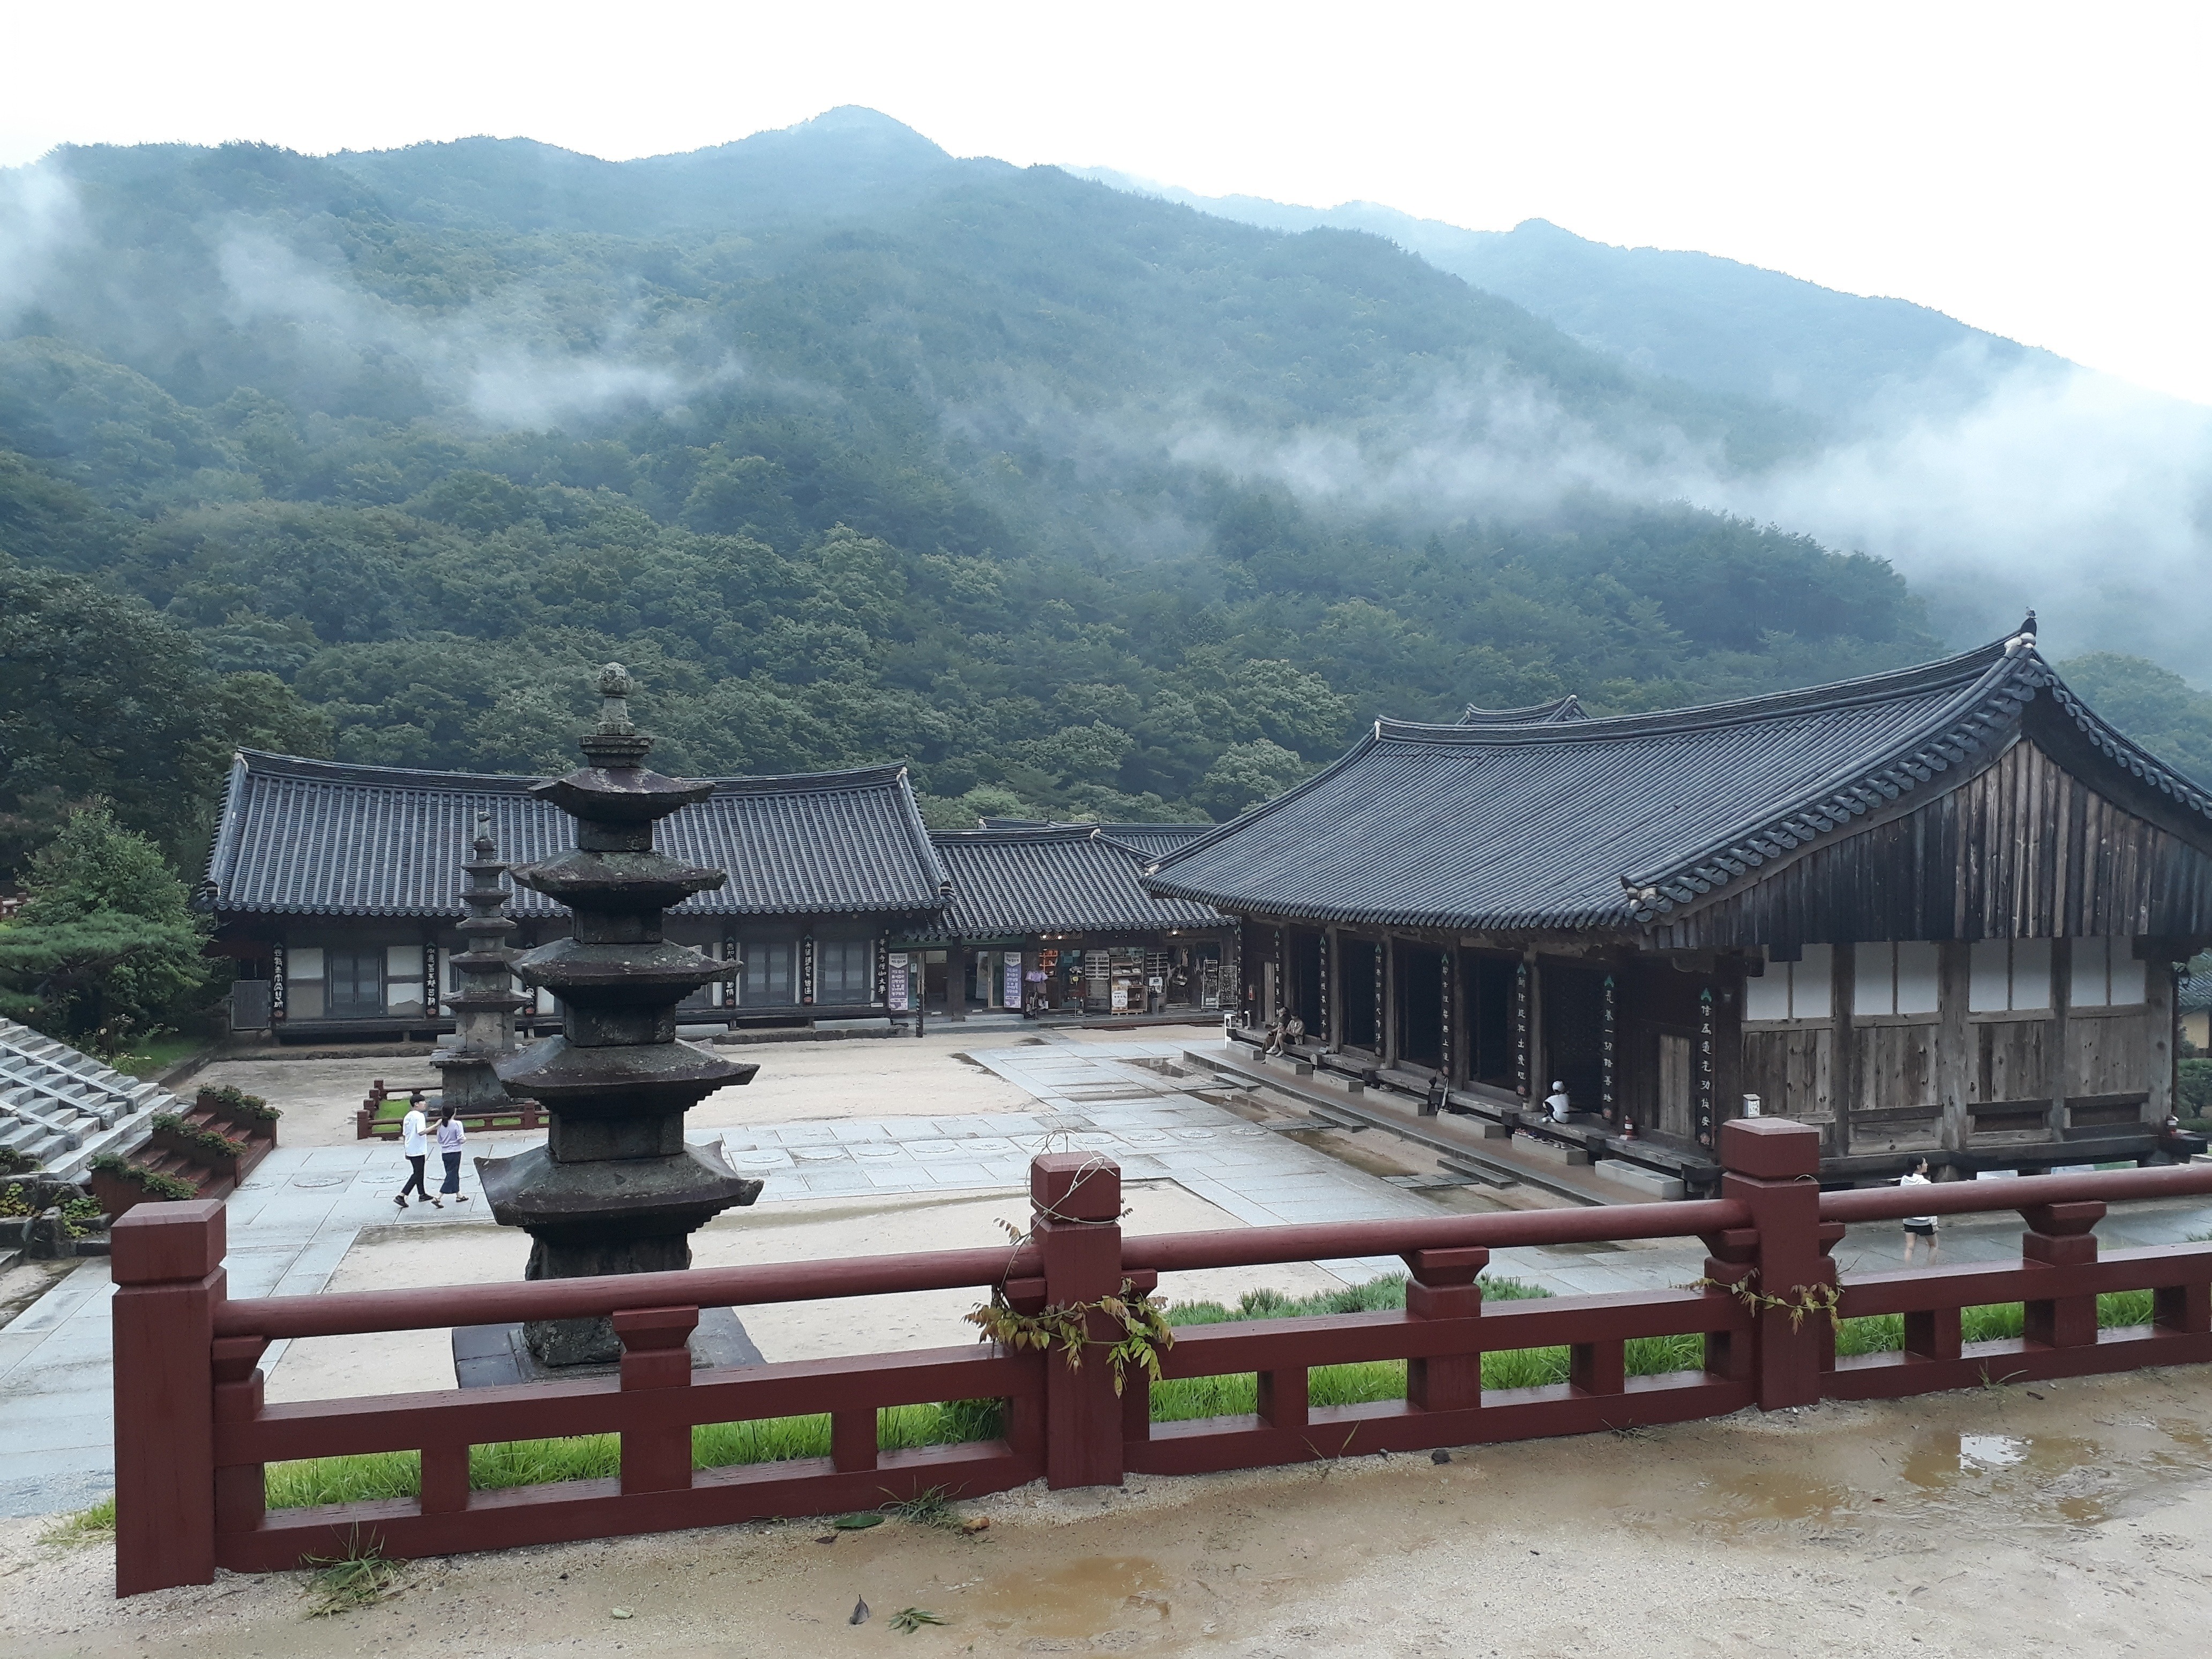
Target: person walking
{"points": [[1918, 1227], [414, 1145], [451, 1138]]}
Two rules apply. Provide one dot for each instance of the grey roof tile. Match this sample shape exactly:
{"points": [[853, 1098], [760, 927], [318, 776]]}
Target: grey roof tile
{"points": [[326, 838], [1071, 878], [1614, 821]]}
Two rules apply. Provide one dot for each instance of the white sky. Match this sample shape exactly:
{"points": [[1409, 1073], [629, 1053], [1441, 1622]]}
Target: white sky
{"points": [[2036, 170]]}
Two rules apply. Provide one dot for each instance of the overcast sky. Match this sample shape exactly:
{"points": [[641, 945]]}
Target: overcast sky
{"points": [[2038, 171]]}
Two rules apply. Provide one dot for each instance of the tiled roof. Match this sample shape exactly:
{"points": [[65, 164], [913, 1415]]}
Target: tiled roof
{"points": [[1151, 839], [1568, 708], [1057, 879], [308, 837], [1617, 821]]}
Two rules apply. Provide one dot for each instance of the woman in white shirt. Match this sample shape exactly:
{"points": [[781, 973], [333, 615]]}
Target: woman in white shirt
{"points": [[1918, 1227]]}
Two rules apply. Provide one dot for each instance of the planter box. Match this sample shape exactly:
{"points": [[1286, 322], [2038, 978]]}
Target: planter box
{"points": [[230, 1117]]}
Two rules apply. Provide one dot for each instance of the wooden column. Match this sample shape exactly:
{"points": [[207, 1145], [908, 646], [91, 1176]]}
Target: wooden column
{"points": [[1386, 968], [1727, 1043], [1844, 1061], [1457, 1066], [2058, 1064], [2159, 1000], [1540, 1077], [1954, 1040], [958, 966]]}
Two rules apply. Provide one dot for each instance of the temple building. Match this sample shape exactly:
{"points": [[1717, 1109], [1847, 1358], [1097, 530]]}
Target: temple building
{"points": [[1053, 919], [335, 889], [1937, 911]]}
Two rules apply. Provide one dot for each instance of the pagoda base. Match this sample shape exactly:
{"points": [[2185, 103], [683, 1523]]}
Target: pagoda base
{"points": [[500, 1355]]}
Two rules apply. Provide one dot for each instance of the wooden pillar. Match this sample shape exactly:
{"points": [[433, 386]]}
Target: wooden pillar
{"points": [[1844, 1061], [1954, 1040], [1454, 1017], [2159, 1000], [1326, 1033], [2058, 1064], [1386, 968], [1540, 1078], [1075, 1208], [1728, 1041], [958, 966], [166, 1262]]}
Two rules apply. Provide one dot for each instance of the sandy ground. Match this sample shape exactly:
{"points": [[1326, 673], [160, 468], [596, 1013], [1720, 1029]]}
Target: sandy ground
{"points": [[793, 1231], [2064, 1520], [862, 1077]]}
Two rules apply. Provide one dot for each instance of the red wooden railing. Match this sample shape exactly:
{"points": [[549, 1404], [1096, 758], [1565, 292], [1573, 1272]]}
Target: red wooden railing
{"points": [[193, 1434]]}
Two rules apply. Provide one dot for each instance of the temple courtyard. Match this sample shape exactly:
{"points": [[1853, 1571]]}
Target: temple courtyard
{"points": [[865, 1146]]}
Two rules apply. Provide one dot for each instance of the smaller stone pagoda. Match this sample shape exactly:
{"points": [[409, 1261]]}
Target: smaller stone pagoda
{"points": [[615, 1189], [485, 1005]]}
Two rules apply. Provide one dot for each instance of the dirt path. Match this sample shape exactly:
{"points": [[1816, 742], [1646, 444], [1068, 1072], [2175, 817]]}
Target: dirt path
{"points": [[2064, 1520]]}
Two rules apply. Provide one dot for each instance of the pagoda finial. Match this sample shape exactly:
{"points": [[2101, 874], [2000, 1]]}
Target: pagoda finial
{"points": [[616, 742]]}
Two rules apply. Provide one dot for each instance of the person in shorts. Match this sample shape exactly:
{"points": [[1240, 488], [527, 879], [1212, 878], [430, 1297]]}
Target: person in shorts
{"points": [[1918, 1227]]}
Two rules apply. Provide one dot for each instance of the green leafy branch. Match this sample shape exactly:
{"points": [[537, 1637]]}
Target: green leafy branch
{"points": [[1800, 1302], [1144, 1332]]}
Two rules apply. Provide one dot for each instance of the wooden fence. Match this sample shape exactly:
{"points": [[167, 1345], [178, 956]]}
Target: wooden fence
{"points": [[193, 1434]]}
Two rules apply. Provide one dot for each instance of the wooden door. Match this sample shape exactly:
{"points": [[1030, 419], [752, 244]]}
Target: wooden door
{"points": [[1677, 1086]]}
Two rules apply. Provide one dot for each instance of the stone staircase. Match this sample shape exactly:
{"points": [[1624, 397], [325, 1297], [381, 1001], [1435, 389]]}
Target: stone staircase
{"points": [[61, 1108]]}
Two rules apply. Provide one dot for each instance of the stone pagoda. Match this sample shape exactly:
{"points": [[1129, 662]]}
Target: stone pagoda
{"points": [[616, 1189], [485, 1005]]}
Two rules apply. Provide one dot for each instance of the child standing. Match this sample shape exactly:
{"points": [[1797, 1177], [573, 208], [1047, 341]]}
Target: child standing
{"points": [[1918, 1227], [451, 1138]]}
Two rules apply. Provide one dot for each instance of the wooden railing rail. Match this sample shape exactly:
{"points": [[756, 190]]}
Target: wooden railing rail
{"points": [[194, 1436], [2016, 1193]]}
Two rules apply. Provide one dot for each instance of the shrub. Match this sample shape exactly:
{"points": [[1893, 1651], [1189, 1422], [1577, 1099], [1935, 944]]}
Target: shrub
{"points": [[204, 1140], [156, 1185], [246, 1105]]}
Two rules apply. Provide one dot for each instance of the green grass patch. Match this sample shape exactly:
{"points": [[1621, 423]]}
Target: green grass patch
{"points": [[157, 1054], [1999, 1321], [369, 1476], [93, 1526]]}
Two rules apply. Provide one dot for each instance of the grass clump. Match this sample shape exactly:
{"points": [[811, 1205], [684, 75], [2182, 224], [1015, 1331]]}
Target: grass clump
{"points": [[360, 1578], [926, 1508], [95, 1525]]}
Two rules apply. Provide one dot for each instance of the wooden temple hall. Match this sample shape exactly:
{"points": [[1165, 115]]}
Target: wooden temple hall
{"points": [[335, 888], [1940, 911]]}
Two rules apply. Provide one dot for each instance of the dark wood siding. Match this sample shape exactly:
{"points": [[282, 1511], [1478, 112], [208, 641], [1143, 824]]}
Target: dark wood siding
{"points": [[2022, 849]]}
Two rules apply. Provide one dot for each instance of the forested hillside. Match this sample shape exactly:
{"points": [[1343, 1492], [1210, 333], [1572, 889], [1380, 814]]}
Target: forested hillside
{"points": [[1081, 502]]}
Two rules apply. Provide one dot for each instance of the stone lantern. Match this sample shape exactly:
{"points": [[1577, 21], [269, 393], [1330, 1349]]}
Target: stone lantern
{"points": [[485, 1004], [616, 1189]]}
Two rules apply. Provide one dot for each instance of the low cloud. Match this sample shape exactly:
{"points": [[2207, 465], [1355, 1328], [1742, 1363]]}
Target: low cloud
{"points": [[485, 356]]}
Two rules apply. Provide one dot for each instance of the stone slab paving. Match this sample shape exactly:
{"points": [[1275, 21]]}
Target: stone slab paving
{"points": [[293, 1221]]}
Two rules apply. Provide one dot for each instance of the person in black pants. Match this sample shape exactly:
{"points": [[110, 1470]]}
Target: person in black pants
{"points": [[414, 1145], [451, 1138]]}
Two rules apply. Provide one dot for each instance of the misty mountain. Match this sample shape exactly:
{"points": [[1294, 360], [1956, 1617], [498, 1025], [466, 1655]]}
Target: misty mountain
{"points": [[1713, 323], [1995, 475], [1080, 500]]}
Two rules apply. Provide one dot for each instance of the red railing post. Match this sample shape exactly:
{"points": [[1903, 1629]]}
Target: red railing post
{"points": [[1444, 1286], [1773, 1166], [241, 1491], [1075, 1219], [2060, 1236], [166, 1259], [656, 1456]]}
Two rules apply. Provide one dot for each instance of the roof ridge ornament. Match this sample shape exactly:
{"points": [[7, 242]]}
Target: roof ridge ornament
{"points": [[2022, 638]]}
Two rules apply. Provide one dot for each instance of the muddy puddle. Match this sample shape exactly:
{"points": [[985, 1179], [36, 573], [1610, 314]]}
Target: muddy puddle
{"points": [[1083, 1598]]}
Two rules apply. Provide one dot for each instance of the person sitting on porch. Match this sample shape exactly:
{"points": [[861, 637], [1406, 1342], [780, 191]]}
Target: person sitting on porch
{"points": [[1556, 1102]]}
